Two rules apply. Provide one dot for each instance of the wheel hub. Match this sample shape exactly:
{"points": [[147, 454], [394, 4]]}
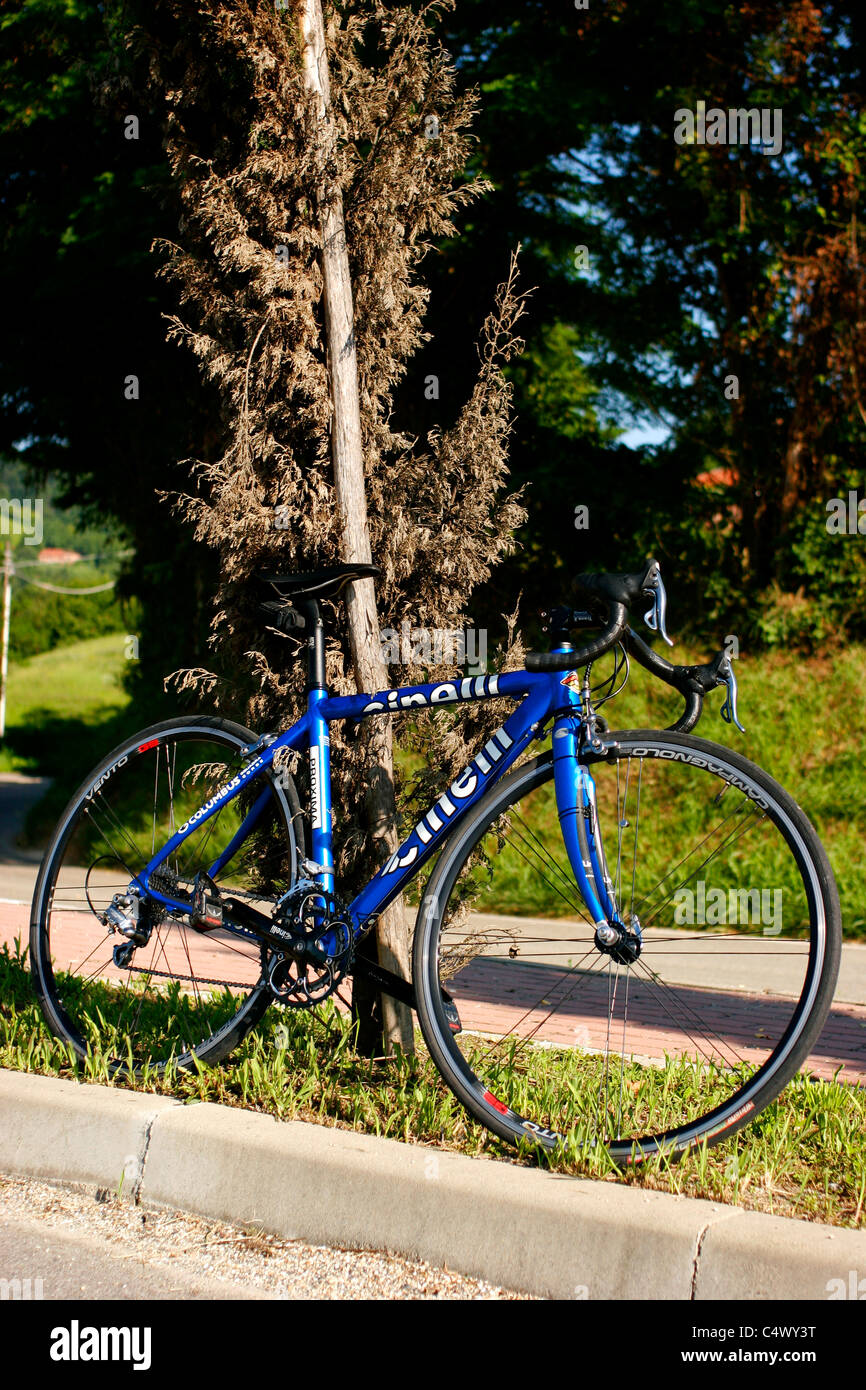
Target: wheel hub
{"points": [[620, 941]]}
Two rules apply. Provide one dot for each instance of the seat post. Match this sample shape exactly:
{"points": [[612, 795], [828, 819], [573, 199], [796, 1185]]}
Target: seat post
{"points": [[315, 630]]}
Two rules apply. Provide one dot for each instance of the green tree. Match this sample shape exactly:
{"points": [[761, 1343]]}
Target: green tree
{"points": [[83, 313], [705, 262]]}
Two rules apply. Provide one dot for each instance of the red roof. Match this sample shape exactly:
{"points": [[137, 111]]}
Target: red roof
{"points": [[718, 477], [54, 555]]}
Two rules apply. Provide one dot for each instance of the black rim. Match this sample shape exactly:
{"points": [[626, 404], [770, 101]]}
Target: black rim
{"points": [[761, 1077], [193, 993]]}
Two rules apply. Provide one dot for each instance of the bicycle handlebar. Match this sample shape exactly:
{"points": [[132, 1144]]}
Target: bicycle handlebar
{"points": [[615, 592], [573, 660], [675, 676]]}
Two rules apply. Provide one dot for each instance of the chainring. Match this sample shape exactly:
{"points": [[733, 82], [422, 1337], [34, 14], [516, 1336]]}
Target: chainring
{"points": [[319, 946]]}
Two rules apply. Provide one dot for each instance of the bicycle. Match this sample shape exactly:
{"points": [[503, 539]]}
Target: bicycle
{"points": [[177, 900]]}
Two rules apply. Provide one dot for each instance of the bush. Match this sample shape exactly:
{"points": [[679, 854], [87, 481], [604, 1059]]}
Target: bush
{"points": [[42, 620]]}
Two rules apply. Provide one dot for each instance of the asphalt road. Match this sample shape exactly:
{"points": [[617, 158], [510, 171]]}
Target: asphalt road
{"points": [[18, 867]]}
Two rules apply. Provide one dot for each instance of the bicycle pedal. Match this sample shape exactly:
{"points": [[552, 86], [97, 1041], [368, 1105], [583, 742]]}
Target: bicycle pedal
{"points": [[206, 913]]}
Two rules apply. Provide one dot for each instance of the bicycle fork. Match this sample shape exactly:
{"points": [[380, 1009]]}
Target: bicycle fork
{"points": [[577, 808]]}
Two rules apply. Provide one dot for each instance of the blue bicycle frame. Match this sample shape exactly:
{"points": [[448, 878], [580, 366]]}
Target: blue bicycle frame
{"points": [[543, 697]]}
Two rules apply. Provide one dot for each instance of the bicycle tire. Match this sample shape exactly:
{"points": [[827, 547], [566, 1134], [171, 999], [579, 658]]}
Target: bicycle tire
{"points": [[762, 1078], [72, 1000]]}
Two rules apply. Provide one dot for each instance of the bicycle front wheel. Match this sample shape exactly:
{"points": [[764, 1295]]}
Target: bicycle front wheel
{"points": [[724, 880], [185, 994]]}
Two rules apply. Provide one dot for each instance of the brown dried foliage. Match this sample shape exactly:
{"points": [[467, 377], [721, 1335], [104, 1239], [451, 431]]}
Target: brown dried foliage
{"points": [[242, 143]]}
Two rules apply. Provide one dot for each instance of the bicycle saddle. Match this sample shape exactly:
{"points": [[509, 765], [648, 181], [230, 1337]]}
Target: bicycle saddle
{"points": [[318, 584]]}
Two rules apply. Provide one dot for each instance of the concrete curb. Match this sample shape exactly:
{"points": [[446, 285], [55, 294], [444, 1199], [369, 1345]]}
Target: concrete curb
{"points": [[554, 1236]]}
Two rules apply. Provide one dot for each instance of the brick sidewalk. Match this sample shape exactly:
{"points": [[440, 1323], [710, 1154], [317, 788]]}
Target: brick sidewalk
{"points": [[496, 996], [674, 1020]]}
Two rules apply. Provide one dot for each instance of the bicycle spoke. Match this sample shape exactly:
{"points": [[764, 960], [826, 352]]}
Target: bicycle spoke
{"points": [[732, 836], [569, 902], [662, 990], [541, 1000], [544, 856], [111, 816], [179, 992], [640, 1036], [636, 829]]}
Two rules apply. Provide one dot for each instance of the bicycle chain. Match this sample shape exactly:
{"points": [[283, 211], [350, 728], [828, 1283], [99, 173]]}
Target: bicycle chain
{"points": [[196, 980]]}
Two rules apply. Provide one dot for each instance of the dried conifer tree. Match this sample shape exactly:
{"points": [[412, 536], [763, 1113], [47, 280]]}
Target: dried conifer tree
{"points": [[245, 152]]}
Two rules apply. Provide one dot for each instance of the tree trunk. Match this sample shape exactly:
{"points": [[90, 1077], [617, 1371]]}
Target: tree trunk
{"points": [[366, 650]]}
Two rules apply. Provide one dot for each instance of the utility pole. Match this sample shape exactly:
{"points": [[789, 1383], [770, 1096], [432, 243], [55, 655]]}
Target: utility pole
{"points": [[348, 461], [4, 642]]}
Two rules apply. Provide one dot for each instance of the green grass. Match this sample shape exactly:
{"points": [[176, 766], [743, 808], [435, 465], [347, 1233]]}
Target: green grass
{"points": [[71, 688], [804, 1156], [80, 682], [66, 709]]}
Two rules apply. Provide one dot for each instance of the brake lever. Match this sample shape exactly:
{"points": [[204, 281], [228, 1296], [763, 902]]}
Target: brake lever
{"points": [[655, 617], [729, 680]]}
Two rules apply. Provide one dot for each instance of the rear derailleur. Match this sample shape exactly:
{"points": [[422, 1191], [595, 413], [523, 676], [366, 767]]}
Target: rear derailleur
{"points": [[134, 916]]}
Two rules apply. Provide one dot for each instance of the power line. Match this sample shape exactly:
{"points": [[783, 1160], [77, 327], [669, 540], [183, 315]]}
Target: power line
{"points": [[76, 560], [56, 589]]}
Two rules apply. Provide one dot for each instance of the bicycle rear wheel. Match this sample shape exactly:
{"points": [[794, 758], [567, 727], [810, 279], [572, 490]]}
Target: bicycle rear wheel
{"points": [[185, 994], [740, 943]]}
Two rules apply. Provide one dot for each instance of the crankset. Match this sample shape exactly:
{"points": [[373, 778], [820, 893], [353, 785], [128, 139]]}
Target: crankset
{"points": [[313, 929]]}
